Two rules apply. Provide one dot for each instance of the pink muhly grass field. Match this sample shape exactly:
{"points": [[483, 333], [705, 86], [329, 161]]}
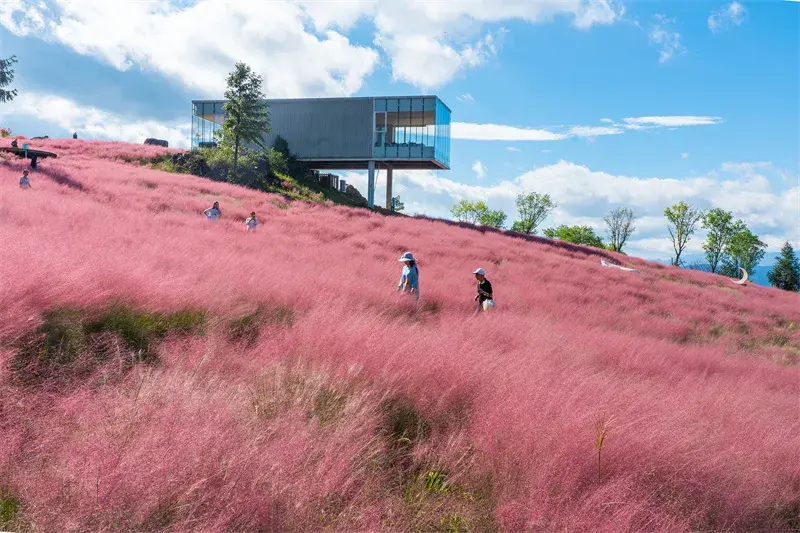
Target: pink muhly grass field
{"points": [[314, 397]]}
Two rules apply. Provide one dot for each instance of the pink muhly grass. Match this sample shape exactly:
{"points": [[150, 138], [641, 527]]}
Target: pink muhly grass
{"points": [[281, 413]]}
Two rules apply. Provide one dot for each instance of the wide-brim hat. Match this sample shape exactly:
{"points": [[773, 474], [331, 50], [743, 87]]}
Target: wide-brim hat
{"points": [[408, 256]]}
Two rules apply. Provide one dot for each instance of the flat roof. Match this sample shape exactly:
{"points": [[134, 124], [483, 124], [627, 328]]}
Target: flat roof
{"points": [[324, 99]]}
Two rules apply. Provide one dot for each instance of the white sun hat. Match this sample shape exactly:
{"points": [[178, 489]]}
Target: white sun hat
{"points": [[480, 271], [408, 256]]}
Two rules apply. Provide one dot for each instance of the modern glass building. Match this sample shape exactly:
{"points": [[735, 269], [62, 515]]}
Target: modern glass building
{"points": [[349, 133]]}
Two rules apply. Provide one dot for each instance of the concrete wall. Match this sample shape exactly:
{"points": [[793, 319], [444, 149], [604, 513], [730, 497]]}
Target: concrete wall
{"points": [[324, 129]]}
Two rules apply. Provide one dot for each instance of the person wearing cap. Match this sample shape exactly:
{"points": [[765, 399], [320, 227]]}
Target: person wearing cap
{"points": [[409, 279], [485, 297]]}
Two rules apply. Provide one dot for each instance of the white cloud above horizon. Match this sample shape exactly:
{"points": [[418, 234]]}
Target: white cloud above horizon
{"points": [[726, 17], [585, 196], [500, 132], [479, 169], [668, 41], [93, 123], [427, 43]]}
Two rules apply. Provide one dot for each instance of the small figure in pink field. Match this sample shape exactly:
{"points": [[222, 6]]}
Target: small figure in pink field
{"points": [[213, 212], [251, 222], [25, 181], [409, 278], [485, 296]]}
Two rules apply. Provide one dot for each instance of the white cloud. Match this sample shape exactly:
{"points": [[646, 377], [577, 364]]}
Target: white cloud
{"points": [[594, 131], [479, 169], [670, 121], [726, 17], [93, 123], [685, 155], [466, 97], [196, 43], [512, 148], [497, 132], [668, 41]]}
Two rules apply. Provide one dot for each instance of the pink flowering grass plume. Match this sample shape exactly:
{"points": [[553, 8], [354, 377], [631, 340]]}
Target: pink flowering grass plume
{"points": [[161, 373]]}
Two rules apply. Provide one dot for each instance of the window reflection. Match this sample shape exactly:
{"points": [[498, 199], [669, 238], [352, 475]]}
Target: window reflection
{"points": [[411, 128]]}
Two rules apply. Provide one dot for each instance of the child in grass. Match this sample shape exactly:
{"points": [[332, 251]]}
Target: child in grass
{"points": [[251, 222], [24, 181]]}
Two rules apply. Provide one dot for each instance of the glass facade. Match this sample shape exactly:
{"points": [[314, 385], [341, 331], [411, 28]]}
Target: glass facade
{"points": [[207, 119], [412, 128]]}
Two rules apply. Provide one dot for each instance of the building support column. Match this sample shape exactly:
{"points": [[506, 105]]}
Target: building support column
{"points": [[389, 187], [371, 185]]}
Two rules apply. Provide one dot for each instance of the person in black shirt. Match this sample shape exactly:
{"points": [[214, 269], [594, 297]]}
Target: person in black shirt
{"points": [[484, 290]]}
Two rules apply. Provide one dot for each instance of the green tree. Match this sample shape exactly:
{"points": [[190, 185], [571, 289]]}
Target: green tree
{"points": [[576, 234], [6, 78], [494, 219], [533, 208], [785, 274], [281, 145], [721, 228], [683, 218], [745, 250], [397, 204], [620, 224], [246, 113], [466, 211]]}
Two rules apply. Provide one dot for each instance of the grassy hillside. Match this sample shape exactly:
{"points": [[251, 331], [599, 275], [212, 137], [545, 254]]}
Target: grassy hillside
{"points": [[159, 372]]}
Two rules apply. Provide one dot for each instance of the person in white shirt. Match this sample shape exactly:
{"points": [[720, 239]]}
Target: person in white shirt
{"points": [[213, 212], [251, 222], [24, 181]]}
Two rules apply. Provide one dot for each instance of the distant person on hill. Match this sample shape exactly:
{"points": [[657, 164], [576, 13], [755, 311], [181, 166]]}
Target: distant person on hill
{"points": [[485, 296], [24, 181], [251, 222], [213, 212], [14, 144], [75, 135], [409, 279]]}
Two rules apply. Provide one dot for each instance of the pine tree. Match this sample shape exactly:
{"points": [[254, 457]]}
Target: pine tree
{"points": [[246, 113], [6, 77], [786, 272]]}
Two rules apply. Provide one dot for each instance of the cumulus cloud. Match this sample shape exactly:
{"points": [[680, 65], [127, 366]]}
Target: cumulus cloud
{"points": [[726, 17], [479, 169], [585, 196], [196, 43], [94, 123]]}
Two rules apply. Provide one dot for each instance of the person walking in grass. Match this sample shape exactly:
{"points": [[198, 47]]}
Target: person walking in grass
{"points": [[251, 222], [409, 279], [213, 212], [25, 181], [485, 296]]}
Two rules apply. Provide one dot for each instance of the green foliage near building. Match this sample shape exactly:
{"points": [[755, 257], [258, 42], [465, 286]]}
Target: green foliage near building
{"points": [[6, 78], [721, 228], [478, 213], [246, 112]]}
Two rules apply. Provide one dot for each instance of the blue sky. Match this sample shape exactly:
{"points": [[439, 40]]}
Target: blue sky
{"points": [[599, 103]]}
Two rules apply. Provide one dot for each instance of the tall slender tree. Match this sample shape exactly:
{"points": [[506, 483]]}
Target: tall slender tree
{"points": [[785, 274], [621, 225], [683, 218], [6, 78], [246, 112], [721, 229]]}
